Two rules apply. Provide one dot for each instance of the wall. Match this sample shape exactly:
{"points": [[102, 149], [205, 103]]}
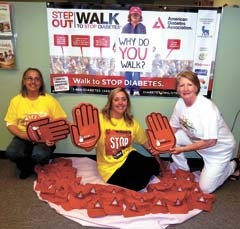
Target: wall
{"points": [[30, 25], [228, 2]]}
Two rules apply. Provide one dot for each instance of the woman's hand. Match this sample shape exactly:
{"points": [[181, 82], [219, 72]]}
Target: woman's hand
{"points": [[176, 150], [153, 151], [49, 143]]}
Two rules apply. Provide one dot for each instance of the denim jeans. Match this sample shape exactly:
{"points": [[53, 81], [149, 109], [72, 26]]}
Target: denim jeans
{"points": [[20, 149], [132, 78]]}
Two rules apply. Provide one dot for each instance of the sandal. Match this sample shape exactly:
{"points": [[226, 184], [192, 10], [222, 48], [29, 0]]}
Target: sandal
{"points": [[235, 177]]}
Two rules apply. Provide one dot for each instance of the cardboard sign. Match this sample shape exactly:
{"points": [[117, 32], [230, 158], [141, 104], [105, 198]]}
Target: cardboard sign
{"points": [[159, 132], [85, 130], [43, 129]]}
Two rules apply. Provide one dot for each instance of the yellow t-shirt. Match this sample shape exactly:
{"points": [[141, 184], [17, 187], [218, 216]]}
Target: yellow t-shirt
{"points": [[22, 110], [115, 144]]}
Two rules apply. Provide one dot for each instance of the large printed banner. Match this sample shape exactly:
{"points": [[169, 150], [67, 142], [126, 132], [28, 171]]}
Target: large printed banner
{"points": [[95, 50]]}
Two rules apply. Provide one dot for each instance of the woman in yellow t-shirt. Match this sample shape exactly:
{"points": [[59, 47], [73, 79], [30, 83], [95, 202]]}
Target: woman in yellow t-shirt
{"points": [[30, 104], [118, 161]]}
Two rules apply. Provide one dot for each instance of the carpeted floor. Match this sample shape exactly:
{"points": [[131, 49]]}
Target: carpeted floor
{"points": [[20, 207]]}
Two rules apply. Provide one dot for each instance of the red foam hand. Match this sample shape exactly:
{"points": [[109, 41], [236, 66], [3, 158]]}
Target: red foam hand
{"points": [[43, 129], [85, 131], [159, 132]]}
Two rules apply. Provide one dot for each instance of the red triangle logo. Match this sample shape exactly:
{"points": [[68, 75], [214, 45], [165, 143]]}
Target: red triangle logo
{"points": [[158, 24]]}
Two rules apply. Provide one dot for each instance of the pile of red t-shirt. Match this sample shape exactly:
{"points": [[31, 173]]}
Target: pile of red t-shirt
{"points": [[176, 193]]}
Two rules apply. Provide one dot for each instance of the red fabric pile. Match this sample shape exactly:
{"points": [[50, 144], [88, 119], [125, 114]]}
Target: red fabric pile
{"points": [[176, 193]]}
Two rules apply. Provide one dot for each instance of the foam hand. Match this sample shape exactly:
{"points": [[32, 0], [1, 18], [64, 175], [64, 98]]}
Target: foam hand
{"points": [[43, 129], [85, 131], [159, 132]]}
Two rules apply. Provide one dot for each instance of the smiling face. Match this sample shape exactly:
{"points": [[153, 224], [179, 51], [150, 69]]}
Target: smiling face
{"points": [[187, 90], [119, 105], [188, 86], [32, 81]]}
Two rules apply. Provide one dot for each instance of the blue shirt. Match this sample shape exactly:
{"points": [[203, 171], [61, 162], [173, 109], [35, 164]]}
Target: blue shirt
{"points": [[138, 29]]}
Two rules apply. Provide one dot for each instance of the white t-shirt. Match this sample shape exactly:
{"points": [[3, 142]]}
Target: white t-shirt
{"points": [[203, 120]]}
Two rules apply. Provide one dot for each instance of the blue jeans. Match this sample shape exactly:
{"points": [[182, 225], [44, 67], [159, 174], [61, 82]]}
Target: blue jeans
{"points": [[20, 150], [130, 77]]}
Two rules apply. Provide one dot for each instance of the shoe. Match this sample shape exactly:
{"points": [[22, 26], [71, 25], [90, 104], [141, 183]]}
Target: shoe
{"points": [[25, 166], [235, 177], [128, 91], [136, 93], [24, 174]]}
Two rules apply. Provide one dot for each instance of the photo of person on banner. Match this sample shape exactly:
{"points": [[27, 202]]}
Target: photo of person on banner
{"points": [[134, 26]]}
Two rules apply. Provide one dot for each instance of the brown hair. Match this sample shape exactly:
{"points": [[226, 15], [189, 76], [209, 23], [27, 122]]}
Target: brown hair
{"points": [[23, 90], [190, 76], [129, 18], [106, 111]]}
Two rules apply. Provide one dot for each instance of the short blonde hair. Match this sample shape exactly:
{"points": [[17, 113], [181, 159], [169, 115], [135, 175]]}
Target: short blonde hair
{"points": [[190, 76]]}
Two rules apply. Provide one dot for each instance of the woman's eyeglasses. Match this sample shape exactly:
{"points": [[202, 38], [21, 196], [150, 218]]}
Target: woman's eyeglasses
{"points": [[37, 79]]}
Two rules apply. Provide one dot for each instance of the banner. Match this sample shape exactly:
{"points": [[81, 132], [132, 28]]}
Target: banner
{"points": [[95, 50]]}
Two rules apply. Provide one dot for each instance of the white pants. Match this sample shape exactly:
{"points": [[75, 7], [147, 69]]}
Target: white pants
{"points": [[217, 166]]}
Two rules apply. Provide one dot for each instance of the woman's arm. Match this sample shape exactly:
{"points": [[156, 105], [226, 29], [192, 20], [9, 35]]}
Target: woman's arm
{"points": [[14, 130], [198, 145]]}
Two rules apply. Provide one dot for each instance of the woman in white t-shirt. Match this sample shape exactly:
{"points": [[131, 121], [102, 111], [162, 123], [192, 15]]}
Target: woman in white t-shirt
{"points": [[199, 126]]}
